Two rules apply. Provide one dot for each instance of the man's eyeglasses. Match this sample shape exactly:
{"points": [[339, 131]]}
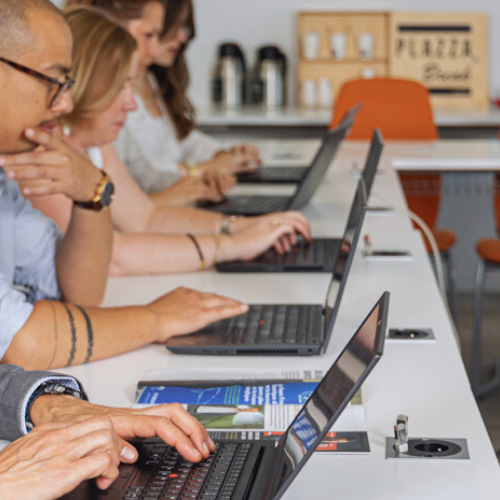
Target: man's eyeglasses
{"points": [[63, 86]]}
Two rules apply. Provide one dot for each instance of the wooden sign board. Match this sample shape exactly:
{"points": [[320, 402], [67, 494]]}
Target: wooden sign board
{"points": [[447, 52]]}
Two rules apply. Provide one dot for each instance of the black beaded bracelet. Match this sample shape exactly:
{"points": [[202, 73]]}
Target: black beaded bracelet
{"points": [[46, 388], [198, 248]]}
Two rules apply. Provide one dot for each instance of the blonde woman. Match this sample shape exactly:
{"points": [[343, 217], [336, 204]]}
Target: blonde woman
{"points": [[148, 239], [38, 331]]}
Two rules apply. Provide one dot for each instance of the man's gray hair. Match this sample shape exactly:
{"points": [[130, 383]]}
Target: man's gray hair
{"points": [[15, 35]]}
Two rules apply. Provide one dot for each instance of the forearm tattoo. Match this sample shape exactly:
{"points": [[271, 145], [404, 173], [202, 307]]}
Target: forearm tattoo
{"points": [[73, 334], [55, 334], [90, 334]]}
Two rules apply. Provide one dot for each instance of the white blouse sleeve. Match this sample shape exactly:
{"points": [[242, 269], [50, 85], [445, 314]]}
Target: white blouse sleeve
{"points": [[152, 178], [198, 147]]}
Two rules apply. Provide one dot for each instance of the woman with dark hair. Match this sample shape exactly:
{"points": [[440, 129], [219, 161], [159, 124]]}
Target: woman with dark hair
{"points": [[144, 20], [163, 128]]}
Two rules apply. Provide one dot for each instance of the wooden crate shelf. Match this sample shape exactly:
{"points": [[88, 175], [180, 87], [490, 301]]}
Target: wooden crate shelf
{"points": [[447, 52], [344, 61], [350, 23]]}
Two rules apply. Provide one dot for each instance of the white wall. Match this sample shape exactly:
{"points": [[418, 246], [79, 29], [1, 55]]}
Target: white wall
{"points": [[257, 22]]}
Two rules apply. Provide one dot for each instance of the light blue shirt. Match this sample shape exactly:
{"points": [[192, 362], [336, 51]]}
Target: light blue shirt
{"points": [[28, 247]]}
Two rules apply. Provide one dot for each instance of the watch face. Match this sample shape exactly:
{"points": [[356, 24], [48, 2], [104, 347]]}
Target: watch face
{"points": [[107, 194]]}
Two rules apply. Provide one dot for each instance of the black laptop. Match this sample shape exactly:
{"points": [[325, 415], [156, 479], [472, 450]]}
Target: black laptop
{"points": [[259, 205], [287, 175], [320, 254], [253, 470], [372, 161], [279, 329]]}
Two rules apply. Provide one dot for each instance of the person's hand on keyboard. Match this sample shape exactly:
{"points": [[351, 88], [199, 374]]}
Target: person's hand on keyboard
{"points": [[188, 190], [247, 151], [225, 162], [259, 237], [55, 458], [294, 219], [169, 422], [185, 310], [218, 185]]}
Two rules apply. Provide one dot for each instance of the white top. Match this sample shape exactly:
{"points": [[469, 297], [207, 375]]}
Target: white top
{"points": [[95, 155], [148, 145]]}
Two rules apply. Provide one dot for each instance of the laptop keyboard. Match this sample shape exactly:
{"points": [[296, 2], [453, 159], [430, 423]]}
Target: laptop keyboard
{"points": [[168, 476], [319, 251], [274, 324], [253, 204], [275, 173]]}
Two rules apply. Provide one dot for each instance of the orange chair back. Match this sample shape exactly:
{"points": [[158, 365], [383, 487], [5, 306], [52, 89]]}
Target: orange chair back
{"points": [[401, 110]]}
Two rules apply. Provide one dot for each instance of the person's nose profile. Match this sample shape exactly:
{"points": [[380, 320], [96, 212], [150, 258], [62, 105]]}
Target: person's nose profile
{"points": [[64, 106], [131, 103], [155, 48]]}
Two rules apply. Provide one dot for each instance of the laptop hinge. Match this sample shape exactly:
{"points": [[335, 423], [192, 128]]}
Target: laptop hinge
{"points": [[259, 481], [249, 472]]}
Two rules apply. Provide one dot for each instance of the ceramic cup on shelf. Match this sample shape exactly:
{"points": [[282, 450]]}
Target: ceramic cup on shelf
{"points": [[365, 46], [308, 93], [368, 73], [310, 45], [324, 93], [338, 43]]}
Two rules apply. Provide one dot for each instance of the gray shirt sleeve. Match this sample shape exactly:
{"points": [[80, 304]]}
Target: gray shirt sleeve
{"points": [[16, 388]]}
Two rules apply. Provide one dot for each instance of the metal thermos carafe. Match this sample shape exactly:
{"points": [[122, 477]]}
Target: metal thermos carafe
{"points": [[229, 81], [269, 79]]}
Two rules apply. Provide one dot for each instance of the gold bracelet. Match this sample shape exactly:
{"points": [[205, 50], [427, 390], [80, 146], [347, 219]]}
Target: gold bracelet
{"points": [[194, 173], [216, 238]]}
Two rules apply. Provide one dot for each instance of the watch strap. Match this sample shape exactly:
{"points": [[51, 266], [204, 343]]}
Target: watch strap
{"points": [[98, 202]]}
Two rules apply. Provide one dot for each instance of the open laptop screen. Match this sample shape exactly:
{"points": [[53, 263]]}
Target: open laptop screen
{"points": [[315, 173], [350, 115], [344, 260], [331, 396], [372, 161]]}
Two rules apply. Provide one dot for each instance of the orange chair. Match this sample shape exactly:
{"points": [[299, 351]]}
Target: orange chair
{"points": [[401, 110], [488, 250]]}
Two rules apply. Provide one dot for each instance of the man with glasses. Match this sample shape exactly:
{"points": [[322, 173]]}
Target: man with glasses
{"points": [[66, 439], [37, 331], [61, 87], [37, 95]]}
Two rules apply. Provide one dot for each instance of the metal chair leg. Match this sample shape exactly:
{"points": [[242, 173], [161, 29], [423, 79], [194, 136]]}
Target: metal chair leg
{"points": [[480, 390], [452, 289], [451, 293]]}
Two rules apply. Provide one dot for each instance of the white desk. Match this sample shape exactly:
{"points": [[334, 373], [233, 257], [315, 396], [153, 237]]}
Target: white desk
{"points": [[291, 122], [426, 381], [291, 116], [443, 155]]}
